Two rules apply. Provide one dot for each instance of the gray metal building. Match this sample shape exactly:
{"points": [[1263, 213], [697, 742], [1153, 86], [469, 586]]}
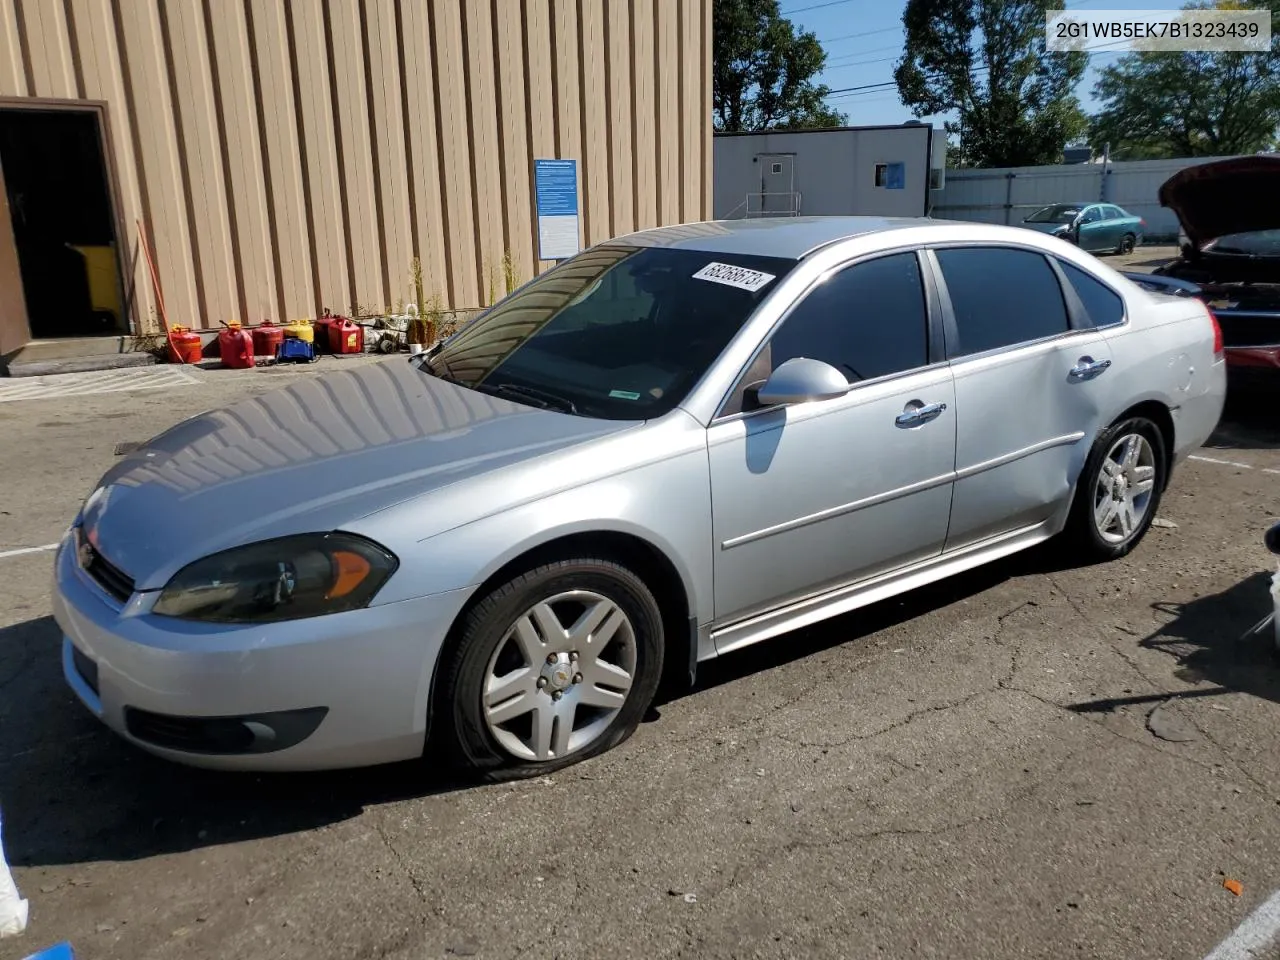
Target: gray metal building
{"points": [[879, 171]]}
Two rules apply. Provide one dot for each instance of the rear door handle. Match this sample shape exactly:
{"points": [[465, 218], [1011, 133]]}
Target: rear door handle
{"points": [[913, 416], [1088, 368]]}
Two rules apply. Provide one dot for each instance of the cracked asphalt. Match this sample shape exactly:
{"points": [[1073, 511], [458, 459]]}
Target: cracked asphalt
{"points": [[968, 771]]}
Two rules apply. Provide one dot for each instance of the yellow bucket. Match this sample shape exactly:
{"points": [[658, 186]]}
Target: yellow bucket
{"points": [[301, 329]]}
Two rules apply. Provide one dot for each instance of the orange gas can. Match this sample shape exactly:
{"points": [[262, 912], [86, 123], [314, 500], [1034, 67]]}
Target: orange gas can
{"points": [[345, 336], [185, 346], [235, 346]]}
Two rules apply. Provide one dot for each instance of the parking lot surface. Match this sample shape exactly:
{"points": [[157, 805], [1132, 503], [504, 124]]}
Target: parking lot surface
{"points": [[1031, 760]]}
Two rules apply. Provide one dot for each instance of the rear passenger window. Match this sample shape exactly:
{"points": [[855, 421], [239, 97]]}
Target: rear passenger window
{"points": [[1103, 304], [1001, 297]]}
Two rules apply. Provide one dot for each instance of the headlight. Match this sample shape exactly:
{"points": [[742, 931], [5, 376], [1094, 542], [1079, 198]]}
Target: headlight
{"points": [[284, 579]]}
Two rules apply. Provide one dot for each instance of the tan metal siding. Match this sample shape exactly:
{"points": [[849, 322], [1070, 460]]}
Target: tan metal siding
{"points": [[290, 156], [13, 75]]}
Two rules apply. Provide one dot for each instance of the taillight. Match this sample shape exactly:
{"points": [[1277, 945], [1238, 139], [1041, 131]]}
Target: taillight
{"points": [[1217, 333]]}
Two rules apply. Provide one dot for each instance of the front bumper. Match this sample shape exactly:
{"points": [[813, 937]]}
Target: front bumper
{"points": [[353, 687]]}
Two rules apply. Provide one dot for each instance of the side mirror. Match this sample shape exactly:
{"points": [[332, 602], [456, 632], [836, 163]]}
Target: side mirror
{"points": [[801, 380]]}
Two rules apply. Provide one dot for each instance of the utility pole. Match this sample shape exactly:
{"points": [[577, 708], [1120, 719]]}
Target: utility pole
{"points": [[1106, 169]]}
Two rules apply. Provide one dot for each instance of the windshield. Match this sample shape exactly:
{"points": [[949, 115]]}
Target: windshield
{"points": [[618, 332], [1057, 213], [1258, 243]]}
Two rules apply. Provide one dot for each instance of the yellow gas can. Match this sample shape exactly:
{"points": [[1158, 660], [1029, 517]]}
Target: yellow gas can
{"points": [[301, 329]]}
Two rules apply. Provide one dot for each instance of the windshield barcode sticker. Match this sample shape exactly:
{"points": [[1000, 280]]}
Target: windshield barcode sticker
{"points": [[732, 276]]}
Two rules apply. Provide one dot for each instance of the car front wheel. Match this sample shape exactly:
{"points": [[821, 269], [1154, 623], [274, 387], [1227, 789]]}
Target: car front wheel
{"points": [[557, 665]]}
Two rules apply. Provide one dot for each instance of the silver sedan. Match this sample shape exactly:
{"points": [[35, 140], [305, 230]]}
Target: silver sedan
{"points": [[674, 445]]}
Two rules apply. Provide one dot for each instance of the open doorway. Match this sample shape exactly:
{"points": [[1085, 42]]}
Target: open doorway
{"points": [[61, 223]]}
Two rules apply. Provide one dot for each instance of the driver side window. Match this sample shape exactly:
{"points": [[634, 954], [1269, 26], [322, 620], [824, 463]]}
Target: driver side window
{"points": [[868, 320], [1092, 215]]}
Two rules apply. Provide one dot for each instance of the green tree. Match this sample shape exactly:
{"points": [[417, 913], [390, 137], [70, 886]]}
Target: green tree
{"points": [[1190, 103], [763, 70], [986, 61]]}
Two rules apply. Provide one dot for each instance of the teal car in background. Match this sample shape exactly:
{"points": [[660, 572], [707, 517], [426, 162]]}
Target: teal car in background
{"points": [[1096, 227]]}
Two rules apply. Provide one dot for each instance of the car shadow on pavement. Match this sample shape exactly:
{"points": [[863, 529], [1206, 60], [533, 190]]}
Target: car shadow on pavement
{"points": [[762, 657], [1214, 646], [73, 792]]}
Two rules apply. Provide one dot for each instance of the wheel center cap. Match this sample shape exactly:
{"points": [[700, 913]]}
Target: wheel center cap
{"points": [[559, 675]]}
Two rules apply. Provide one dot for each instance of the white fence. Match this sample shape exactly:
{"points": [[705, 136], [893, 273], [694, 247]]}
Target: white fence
{"points": [[1007, 194]]}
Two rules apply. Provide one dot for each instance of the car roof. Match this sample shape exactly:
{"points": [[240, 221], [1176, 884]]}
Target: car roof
{"points": [[797, 237], [791, 237]]}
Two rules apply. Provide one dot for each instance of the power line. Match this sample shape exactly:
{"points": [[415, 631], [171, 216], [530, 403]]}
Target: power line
{"points": [[853, 36], [865, 86], [861, 53], [816, 6], [857, 63]]}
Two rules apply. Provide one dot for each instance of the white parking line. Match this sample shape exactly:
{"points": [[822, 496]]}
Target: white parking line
{"points": [[1225, 463], [1232, 463], [1259, 931], [24, 550]]}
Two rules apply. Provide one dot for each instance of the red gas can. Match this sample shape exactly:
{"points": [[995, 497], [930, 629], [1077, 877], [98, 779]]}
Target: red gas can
{"points": [[235, 346], [322, 325], [185, 346], [266, 337], [345, 336]]}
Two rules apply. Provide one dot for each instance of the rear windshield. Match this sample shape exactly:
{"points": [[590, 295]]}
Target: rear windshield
{"points": [[1259, 243], [619, 332]]}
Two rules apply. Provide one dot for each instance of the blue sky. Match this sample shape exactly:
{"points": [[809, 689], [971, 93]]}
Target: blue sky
{"points": [[863, 39]]}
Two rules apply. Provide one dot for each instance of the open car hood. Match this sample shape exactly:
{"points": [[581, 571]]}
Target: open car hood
{"points": [[1213, 200]]}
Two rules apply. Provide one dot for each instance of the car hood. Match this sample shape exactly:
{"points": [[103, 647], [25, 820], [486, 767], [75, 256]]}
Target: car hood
{"points": [[1212, 200], [313, 456]]}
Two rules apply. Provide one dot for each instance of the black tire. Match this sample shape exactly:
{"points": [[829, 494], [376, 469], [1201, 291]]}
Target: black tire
{"points": [[465, 733], [1081, 536], [1127, 244]]}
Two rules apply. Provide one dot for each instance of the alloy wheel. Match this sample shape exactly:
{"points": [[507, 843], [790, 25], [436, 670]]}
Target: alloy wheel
{"points": [[1122, 494], [559, 676]]}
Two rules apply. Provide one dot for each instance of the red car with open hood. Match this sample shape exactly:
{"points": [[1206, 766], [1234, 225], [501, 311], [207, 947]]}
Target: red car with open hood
{"points": [[1230, 258]]}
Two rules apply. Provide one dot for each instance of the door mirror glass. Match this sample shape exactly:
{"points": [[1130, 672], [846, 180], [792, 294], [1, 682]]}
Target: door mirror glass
{"points": [[802, 380]]}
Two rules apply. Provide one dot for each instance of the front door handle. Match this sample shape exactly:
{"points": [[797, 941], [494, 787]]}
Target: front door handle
{"points": [[916, 413], [1088, 368]]}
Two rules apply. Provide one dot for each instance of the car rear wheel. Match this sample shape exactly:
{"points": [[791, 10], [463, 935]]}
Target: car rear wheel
{"points": [[1119, 491], [1127, 243], [557, 665]]}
